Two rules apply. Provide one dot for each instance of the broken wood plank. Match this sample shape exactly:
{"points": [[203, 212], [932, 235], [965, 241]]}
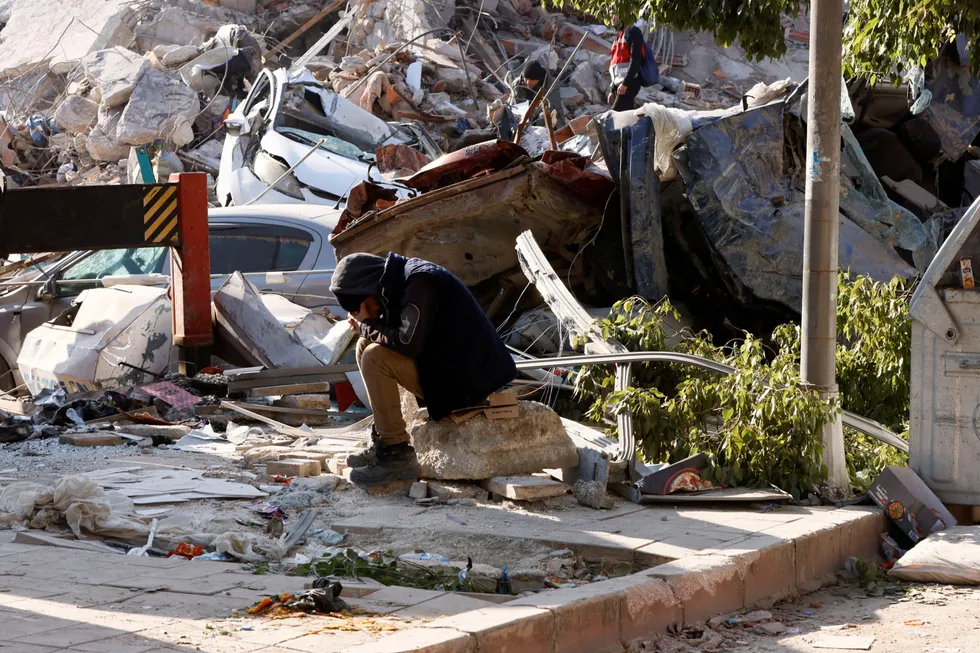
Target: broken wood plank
{"points": [[526, 488], [302, 29], [277, 373], [290, 389]]}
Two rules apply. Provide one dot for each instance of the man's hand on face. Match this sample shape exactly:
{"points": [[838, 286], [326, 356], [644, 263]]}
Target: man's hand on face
{"points": [[354, 322]]}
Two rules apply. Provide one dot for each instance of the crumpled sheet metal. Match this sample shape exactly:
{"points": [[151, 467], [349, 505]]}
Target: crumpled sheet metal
{"points": [[467, 163], [578, 174], [753, 217], [864, 201], [954, 111]]}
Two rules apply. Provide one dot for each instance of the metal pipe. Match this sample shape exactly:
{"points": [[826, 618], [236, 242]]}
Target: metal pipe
{"points": [[856, 422], [820, 240]]}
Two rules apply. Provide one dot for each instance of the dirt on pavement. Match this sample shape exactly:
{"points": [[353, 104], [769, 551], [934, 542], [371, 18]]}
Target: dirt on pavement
{"points": [[908, 618]]}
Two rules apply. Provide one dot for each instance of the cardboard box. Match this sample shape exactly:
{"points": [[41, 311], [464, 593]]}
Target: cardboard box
{"points": [[910, 504]]}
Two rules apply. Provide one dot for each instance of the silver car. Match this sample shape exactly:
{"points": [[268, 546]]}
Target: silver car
{"points": [[281, 249]]}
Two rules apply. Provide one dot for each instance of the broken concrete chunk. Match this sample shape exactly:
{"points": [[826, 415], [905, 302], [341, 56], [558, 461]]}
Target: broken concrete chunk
{"points": [[454, 78], [102, 143], [442, 104], [245, 322], [175, 25], [419, 490], [160, 107], [480, 448], [179, 55], [76, 114], [116, 72], [583, 78], [60, 32]]}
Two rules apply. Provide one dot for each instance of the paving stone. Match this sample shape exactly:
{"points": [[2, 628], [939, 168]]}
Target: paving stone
{"points": [[206, 585], [67, 636], [422, 640], [128, 643], [587, 619], [369, 604], [447, 605], [505, 628], [327, 641], [321, 458], [594, 545], [705, 585], [406, 596]]}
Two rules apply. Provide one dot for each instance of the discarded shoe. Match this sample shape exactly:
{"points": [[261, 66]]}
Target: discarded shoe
{"points": [[395, 463], [366, 457]]}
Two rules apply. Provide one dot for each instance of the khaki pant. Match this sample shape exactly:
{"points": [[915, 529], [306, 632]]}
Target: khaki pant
{"points": [[383, 370]]}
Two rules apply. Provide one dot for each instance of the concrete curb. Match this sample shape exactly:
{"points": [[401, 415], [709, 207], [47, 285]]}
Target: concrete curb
{"points": [[606, 617]]}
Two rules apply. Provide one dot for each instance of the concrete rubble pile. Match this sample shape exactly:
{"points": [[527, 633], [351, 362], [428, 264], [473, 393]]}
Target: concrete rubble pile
{"points": [[84, 83]]}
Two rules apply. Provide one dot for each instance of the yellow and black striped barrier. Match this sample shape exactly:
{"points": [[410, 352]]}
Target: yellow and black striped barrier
{"points": [[160, 215]]}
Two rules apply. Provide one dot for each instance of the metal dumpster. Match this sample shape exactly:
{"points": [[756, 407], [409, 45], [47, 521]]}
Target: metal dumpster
{"points": [[944, 437]]}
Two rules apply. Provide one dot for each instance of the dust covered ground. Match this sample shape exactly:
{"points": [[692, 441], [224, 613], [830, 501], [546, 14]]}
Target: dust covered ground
{"points": [[909, 618]]}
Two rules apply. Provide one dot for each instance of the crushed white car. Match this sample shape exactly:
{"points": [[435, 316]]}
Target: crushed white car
{"points": [[299, 137]]}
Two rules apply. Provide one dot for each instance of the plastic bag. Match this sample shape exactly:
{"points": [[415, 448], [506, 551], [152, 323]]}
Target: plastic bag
{"points": [[672, 127], [951, 556], [250, 547]]}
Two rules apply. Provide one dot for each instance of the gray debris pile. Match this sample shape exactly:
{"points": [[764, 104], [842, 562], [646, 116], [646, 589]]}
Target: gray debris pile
{"points": [[83, 83]]}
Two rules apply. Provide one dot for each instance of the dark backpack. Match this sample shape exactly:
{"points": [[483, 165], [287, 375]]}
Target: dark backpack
{"points": [[649, 72]]}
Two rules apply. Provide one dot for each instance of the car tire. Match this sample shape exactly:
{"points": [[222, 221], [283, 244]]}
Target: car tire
{"points": [[7, 380]]}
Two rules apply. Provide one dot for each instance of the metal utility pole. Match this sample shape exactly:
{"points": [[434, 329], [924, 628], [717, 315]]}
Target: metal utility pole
{"points": [[818, 365]]}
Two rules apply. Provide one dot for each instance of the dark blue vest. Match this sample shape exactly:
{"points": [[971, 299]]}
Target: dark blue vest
{"points": [[463, 359]]}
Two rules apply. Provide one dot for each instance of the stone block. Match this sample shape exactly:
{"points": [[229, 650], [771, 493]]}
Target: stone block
{"points": [[76, 114], [102, 143], [91, 439], [386, 489], [116, 72], [421, 640], [419, 490], [587, 619], [481, 448], [506, 628], [60, 32], [320, 457], [337, 464], [160, 108], [705, 585], [293, 467]]}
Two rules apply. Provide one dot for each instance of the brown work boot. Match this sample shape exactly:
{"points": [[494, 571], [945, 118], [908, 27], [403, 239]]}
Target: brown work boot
{"points": [[396, 462], [366, 457]]}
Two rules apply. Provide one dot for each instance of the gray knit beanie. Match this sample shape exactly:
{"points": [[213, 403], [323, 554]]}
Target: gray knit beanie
{"points": [[357, 277]]}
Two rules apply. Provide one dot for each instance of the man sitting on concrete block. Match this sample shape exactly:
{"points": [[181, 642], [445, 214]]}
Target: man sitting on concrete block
{"points": [[422, 329]]}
